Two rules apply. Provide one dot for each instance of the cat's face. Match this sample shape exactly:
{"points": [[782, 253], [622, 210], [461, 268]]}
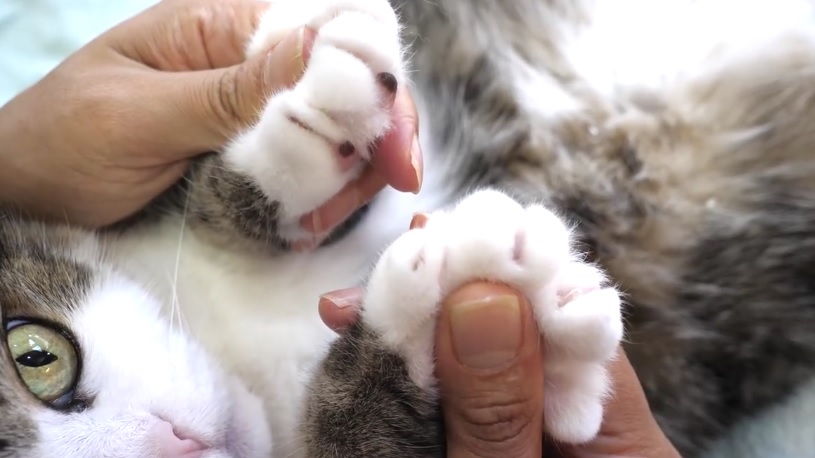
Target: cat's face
{"points": [[89, 367]]}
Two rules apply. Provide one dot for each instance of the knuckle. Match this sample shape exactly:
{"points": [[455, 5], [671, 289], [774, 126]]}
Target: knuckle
{"points": [[498, 420], [227, 99], [240, 97]]}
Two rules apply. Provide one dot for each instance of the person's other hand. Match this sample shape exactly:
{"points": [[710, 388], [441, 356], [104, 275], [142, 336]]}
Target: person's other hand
{"points": [[492, 398], [488, 361], [118, 121], [490, 370]]}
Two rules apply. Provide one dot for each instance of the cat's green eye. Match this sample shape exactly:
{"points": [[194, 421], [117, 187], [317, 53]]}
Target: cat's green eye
{"points": [[46, 360]]}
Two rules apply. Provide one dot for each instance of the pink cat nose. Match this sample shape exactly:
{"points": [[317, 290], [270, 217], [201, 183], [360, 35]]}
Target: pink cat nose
{"points": [[171, 445]]}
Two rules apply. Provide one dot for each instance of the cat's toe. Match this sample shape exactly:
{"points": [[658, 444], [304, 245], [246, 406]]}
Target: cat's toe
{"points": [[585, 306], [582, 327], [283, 16], [490, 236], [573, 402], [402, 298]]}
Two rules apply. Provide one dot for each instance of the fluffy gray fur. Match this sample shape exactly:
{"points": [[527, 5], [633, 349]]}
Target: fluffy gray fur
{"points": [[721, 299]]}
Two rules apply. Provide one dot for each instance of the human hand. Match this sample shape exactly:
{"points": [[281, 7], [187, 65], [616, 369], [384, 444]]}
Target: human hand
{"points": [[490, 371], [497, 411], [118, 122]]}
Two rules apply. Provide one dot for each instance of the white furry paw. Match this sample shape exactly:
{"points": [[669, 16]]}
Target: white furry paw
{"points": [[314, 138], [489, 236]]}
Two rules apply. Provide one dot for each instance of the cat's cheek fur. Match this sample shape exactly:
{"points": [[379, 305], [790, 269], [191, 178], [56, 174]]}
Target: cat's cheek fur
{"points": [[488, 236], [144, 380]]}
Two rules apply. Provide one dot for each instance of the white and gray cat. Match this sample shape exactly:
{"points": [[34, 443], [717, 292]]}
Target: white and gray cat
{"points": [[668, 143]]}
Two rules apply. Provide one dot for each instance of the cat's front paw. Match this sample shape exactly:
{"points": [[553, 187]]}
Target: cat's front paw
{"points": [[315, 137], [488, 236]]}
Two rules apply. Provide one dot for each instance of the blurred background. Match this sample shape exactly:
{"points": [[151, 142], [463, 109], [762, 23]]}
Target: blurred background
{"points": [[35, 35]]}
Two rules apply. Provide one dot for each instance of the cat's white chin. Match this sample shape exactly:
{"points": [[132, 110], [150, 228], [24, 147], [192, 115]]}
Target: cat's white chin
{"points": [[247, 431]]}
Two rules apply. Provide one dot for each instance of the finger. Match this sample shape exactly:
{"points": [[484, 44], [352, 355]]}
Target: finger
{"points": [[188, 36], [393, 164], [340, 309], [419, 220], [398, 157], [337, 209], [629, 427], [212, 106], [490, 373]]}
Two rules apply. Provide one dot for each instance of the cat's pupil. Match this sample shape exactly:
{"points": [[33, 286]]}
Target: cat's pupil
{"points": [[36, 358]]}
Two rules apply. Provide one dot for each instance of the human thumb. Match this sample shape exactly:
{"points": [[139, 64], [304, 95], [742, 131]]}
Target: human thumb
{"points": [[217, 104], [490, 373]]}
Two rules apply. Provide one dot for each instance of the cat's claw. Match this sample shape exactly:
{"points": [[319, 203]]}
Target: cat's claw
{"points": [[489, 236]]}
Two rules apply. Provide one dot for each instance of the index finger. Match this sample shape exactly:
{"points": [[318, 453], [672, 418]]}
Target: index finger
{"points": [[392, 163], [398, 157], [340, 309]]}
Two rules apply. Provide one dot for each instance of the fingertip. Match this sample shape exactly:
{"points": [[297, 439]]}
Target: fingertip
{"points": [[492, 300], [477, 290], [417, 164], [281, 66], [217, 104], [339, 309], [398, 156], [419, 220], [309, 35], [286, 61], [484, 292]]}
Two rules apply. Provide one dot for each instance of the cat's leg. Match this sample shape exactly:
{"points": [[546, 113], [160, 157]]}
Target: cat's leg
{"points": [[313, 138], [491, 237]]}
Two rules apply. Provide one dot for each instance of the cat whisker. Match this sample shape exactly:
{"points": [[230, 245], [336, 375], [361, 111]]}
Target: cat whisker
{"points": [[174, 309]]}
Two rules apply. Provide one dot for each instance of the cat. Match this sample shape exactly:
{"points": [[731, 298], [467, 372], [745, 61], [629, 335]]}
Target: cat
{"points": [[656, 154]]}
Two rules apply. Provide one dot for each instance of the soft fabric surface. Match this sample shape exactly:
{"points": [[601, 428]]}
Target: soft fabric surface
{"points": [[35, 35]]}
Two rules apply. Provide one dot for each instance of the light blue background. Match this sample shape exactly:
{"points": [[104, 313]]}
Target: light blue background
{"points": [[35, 35]]}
